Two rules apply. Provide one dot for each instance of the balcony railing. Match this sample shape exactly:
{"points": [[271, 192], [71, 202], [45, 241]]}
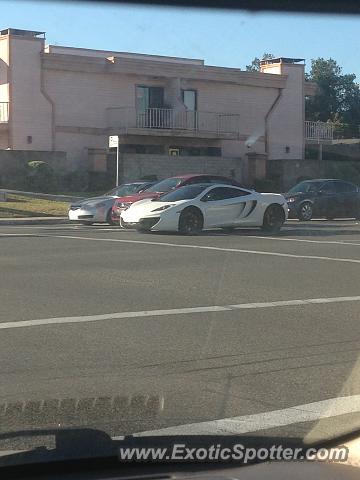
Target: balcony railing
{"points": [[4, 112], [319, 131], [166, 118], [171, 119]]}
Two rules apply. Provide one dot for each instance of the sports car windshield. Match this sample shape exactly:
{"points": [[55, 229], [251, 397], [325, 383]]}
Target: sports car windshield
{"points": [[182, 193], [165, 185], [306, 187]]}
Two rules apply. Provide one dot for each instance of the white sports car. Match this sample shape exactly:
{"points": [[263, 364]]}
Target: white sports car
{"points": [[192, 208]]}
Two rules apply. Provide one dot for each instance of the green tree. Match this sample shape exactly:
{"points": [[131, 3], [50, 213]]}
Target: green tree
{"points": [[255, 64], [338, 95]]}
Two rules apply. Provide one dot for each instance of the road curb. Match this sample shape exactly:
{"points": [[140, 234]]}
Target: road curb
{"points": [[33, 221]]}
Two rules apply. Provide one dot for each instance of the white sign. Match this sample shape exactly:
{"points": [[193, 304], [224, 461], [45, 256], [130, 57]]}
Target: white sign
{"points": [[113, 141]]}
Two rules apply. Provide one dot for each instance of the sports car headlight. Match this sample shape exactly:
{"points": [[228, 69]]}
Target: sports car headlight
{"points": [[123, 205], [291, 200], [164, 207]]}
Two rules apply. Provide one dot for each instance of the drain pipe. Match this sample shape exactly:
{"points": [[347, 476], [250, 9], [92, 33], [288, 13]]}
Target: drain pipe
{"points": [[51, 102], [10, 96], [267, 116]]}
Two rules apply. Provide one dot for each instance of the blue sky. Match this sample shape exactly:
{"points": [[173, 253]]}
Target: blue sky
{"points": [[227, 38]]}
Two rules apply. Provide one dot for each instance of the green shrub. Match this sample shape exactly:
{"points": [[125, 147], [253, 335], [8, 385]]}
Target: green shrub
{"points": [[15, 182], [76, 181], [38, 166], [41, 177]]}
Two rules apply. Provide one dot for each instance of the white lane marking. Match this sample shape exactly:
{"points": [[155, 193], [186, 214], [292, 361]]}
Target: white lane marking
{"points": [[283, 239], [63, 226], [308, 412], [289, 303], [221, 234], [112, 316], [67, 226], [174, 311], [17, 235], [205, 247]]}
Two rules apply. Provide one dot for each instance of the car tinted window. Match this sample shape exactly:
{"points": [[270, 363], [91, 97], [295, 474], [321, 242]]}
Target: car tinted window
{"points": [[305, 187], [344, 187], [329, 187], [222, 193]]}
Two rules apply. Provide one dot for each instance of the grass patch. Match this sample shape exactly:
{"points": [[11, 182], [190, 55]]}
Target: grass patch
{"points": [[18, 206]]}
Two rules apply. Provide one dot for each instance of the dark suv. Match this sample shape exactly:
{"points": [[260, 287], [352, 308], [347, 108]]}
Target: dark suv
{"points": [[329, 198]]}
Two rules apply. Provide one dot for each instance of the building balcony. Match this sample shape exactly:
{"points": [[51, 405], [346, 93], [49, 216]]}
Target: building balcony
{"points": [[171, 122]]}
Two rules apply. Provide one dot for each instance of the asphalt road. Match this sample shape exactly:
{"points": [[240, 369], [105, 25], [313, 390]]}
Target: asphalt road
{"points": [[131, 332]]}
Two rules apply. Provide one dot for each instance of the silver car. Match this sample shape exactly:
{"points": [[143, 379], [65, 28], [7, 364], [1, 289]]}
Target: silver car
{"points": [[98, 209]]}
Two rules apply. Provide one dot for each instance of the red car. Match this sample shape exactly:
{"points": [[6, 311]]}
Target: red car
{"points": [[165, 186]]}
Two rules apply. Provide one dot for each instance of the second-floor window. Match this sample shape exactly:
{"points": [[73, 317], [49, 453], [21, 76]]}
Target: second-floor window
{"points": [[149, 97]]}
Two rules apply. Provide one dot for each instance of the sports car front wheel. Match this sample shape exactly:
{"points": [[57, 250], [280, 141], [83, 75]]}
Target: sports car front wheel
{"points": [[190, 221], [274, 219]]}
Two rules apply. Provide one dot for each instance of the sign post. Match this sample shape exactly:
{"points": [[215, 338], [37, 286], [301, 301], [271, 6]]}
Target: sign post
{"points": [[114, 142]]}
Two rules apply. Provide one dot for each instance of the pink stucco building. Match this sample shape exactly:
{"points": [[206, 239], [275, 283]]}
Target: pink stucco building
{"points": [[171, 114]]}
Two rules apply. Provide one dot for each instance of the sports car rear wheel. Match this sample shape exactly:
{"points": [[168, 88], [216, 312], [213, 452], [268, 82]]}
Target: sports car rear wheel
{"points": [[274, 218], [190, 221]]}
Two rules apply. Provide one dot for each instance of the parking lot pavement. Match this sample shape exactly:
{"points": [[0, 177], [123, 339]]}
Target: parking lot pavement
{"points": [[219, 325]]}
